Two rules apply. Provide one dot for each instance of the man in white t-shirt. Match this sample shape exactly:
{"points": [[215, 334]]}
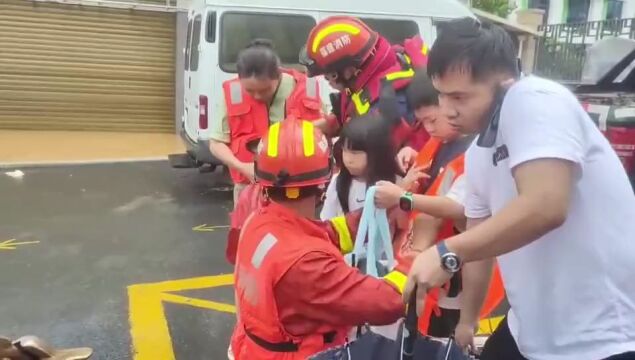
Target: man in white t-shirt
{"points": [[552, 202]]}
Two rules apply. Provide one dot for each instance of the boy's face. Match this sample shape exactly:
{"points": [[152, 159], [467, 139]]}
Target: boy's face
{"points": [[436, 123]]}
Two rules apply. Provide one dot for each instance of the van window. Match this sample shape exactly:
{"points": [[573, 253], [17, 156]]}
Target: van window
{"points": [[396, 31], [196, 39], [210, 33], [287, 32], [187, 45]]}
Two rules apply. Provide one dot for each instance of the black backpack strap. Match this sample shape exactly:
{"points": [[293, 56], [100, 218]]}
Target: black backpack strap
{"points": [[285, 347]]}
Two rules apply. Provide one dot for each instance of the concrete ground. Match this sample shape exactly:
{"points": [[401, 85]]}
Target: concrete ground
{"points": [[22, 146], [126, 258]]}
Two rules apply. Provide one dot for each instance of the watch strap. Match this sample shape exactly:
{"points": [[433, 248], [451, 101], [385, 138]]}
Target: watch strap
{"points": [[407, 196], [442, 248]]}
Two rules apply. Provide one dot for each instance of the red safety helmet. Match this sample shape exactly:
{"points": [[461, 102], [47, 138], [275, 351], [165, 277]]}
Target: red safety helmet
{"points": [[337, 42], [293, 154]]}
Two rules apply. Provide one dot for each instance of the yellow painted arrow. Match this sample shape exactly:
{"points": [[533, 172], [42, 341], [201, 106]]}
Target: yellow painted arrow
{"points": [[11, 244], [205, 227], [148, 324]]}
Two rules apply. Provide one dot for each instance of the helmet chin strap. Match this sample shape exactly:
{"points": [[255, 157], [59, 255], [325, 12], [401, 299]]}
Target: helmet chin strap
{"points": [[348, 83]]}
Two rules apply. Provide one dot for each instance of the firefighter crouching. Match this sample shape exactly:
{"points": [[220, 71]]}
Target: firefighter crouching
{"points": [[296, 295]]}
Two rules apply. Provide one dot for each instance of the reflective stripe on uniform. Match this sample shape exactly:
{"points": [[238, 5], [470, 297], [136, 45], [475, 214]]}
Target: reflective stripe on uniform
{"points": [[272, 140], [311, 87], [263, 248], [308, 140], [235, 93], [400, 75], [398, 279], [403, 74], [446, 181], [353, 30], [346, 241], [360, 106]]}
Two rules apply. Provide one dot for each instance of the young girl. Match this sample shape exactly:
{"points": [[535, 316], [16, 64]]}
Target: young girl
{"points": [[367, 156]]}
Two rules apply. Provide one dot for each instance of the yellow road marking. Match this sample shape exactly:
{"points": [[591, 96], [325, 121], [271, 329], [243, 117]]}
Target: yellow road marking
{"points": [[11, 244], [205, 227], [205, 304], [149, 330]]}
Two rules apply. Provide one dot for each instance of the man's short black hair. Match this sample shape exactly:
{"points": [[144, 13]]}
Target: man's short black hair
{"points": [[421, 92], [478, 47]]}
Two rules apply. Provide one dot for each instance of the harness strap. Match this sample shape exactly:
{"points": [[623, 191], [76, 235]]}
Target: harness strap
{"points": [[287, 346]]}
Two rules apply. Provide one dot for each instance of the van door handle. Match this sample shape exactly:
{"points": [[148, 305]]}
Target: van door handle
{"points": [[189, 83]]}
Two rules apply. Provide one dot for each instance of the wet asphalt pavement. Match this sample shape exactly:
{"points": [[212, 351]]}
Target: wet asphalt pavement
{"points": [[74, 238]]}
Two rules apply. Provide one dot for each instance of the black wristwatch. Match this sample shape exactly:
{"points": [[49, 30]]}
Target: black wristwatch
{"points": [[450, 262], [406, 202]]}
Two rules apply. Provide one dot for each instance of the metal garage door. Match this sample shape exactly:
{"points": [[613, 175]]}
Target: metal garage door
{"points": [[71, 67]]}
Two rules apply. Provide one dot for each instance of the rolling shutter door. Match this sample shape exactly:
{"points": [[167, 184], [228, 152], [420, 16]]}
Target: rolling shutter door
{"points": [[71, 67]]}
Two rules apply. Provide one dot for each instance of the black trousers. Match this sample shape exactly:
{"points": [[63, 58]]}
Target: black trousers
{"points": [[502, 346]]}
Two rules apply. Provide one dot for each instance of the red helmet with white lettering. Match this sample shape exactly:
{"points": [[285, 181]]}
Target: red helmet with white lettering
{"points": [[337, 42], [293, 154]]}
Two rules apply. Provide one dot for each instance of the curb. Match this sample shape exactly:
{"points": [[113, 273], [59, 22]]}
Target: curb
{"points": [[13, 165]]}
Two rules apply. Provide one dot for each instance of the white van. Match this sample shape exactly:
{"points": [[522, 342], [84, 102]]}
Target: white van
{"points": [[219, 29]]}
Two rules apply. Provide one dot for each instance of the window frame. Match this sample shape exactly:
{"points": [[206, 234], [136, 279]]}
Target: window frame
{"points": [[223, 66], [531, 4], [210, 26], [394, 20], [588, 11], [196, 35], [188, 39], [616, 3]]}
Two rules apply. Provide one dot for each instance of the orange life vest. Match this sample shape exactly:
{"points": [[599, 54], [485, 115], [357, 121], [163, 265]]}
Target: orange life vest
{"points": [[268, 247], [440, 187], [249, 119]]}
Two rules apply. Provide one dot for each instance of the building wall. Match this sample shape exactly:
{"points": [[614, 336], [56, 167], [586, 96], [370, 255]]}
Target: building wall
{"points": [[629, 9], [597, 9]]}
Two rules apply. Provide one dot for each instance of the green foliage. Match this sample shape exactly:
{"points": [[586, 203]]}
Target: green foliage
{"points": [[497, 7]]}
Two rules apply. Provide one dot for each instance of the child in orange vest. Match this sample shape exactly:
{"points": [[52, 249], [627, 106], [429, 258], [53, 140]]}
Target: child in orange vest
{"points": [[436, 177]]}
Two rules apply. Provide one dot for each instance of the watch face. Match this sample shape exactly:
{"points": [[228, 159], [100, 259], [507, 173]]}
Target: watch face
{"points": [[451, 262], [405, 204]]}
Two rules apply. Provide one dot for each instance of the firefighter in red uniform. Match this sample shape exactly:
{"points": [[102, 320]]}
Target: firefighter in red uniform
{"points": [[296, 295], [262, 94], [358, 61]]}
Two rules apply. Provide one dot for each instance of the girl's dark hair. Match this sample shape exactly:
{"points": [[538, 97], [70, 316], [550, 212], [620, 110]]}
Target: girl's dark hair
{"points": [[259, 59], [371, 134], [420, 92]]}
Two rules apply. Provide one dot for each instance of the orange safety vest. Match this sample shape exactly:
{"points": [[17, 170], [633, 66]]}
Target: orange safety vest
{"points": [[249, 119], [440, 187], [268, 247]]}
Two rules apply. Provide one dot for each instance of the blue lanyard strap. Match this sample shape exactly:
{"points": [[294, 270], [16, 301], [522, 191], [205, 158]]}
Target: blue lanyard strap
{"points": [[374, 224]]}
